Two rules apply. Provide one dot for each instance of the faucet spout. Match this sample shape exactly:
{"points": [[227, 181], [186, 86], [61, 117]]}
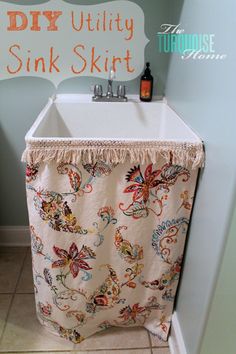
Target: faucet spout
{"points": [[110, 81]]}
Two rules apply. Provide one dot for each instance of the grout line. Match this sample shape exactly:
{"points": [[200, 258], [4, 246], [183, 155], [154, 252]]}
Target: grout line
{"points": [[6, 319], [150, 341], [74, 351], [21, 270], [13, 296]]}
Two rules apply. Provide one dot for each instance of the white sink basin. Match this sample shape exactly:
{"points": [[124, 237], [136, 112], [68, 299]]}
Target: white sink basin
{"points": [[76, 117], [72, 128]]}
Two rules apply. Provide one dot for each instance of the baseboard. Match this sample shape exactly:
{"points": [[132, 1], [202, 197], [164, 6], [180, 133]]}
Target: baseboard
{"points": [[176, 341], [14, 236]]}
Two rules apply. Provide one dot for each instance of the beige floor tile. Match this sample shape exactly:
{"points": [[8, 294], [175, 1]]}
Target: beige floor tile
{"points": [[25, 284], [116, 338], [10, 268], [24, 333], [156, 342], [5, 301], [161, 351]]}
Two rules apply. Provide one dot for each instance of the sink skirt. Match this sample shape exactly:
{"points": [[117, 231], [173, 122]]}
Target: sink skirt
{"points": [[107, 242]]}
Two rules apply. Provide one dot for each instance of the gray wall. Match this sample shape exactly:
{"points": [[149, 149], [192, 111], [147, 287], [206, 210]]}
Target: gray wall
{"points": [[203, 94], [22, 99]]}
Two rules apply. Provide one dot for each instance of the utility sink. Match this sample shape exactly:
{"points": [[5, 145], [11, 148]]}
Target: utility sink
{"points": [[110, 189], [77, 117]]}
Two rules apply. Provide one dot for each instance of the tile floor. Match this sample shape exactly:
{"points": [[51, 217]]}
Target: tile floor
{"points": [[20, 331]]}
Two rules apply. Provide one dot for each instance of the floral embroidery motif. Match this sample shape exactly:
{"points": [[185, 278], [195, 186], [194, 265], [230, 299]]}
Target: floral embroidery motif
{"points": [[36, 242], [31, 172], [74, 259], [47, 276], [107, 294], [105, 325], [153, 187], [133, 314], [167, 296], [167, 234], [167, 278], [99, 169], [75, 179], [131, 274], [130, 253], [45, 312], [107, 214], [185, 201], [54, 209]]}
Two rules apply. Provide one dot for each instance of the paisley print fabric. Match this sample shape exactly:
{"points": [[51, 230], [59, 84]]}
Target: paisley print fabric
{"points": [[107, 244]]}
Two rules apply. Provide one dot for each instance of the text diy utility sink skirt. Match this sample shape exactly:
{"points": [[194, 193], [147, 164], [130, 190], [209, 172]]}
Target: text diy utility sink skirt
{"points": [[110, 191]]}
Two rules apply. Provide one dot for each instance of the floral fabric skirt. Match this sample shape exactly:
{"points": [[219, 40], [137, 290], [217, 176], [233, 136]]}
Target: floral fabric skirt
{"points": [[107, 244]]}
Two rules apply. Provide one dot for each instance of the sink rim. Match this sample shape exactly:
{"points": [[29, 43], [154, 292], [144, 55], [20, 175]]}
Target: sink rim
{"points": [[87, 99]]}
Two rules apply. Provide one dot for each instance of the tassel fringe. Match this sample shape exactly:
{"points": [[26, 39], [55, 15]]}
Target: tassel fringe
{"points": [[89, 152]]}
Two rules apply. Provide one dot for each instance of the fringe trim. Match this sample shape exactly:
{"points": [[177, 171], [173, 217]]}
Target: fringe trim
{"points": [[89, 152]]}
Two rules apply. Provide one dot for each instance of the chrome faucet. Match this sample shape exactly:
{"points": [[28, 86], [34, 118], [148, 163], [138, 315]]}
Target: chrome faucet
{"points": [[110, 97]]}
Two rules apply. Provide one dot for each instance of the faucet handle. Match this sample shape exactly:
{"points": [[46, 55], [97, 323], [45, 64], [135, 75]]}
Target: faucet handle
{"points": [[98, 91], [121, 91], [112, 74]]}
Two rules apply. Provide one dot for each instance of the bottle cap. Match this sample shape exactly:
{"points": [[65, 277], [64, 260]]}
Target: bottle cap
{"points": [[147, 70]]}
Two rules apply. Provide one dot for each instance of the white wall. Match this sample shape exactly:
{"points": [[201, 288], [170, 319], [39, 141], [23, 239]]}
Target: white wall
{"points": [[203, 94], [219, 335]]}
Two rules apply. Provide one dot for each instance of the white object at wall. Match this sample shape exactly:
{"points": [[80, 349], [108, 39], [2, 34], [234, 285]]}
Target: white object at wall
{"points": [[176, 341]]}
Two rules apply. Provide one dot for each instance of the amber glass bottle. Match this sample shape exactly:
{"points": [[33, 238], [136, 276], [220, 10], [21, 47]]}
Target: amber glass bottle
{"points": [[146, 85]]}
